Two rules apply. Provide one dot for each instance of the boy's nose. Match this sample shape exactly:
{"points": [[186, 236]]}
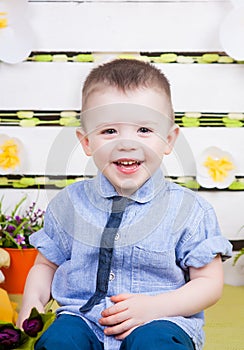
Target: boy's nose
{"points": [[127, 145]]}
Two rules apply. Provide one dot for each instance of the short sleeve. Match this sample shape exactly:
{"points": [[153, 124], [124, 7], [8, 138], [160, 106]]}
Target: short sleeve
{"points": [[52, 241], [202, 242]]}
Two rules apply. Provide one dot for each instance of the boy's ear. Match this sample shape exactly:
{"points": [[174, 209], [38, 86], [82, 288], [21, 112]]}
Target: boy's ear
{"points": [[84, 140], [171, 138]]}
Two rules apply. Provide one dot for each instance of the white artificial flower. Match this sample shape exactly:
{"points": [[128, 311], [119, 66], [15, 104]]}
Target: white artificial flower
{"points": [[232, 32], [215, 168], [16, 35]]}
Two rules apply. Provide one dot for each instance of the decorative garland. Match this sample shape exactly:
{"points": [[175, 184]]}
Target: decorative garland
{"points": [[166, 57], [71, 118], [51, 182]]}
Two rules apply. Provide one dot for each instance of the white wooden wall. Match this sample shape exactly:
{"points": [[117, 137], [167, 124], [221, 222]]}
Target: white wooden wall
{"points": [[107, 29]]}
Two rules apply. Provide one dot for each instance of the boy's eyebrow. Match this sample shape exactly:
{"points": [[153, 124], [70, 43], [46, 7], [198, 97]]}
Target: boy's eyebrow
{"points": [[147, 122]]}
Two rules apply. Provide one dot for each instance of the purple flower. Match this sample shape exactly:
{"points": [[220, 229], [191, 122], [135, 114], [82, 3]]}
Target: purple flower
{"points": [[20, 239], [10, 228], [9, 337], [33, 326], [18, 219]]}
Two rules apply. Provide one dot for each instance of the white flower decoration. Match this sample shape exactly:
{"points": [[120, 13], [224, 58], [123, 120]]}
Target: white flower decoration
{"points": [[232, 31], [215, 168], [15, 31]]}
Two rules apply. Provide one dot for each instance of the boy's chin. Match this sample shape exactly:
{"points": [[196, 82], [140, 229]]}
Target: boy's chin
{"points": [[127, 187]]}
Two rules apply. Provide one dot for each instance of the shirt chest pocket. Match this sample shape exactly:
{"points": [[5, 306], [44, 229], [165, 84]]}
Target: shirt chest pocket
{"points": [[154, 271]]}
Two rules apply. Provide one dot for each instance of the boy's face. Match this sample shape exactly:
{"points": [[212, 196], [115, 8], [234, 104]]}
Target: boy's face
{"points": [[127, 134]]}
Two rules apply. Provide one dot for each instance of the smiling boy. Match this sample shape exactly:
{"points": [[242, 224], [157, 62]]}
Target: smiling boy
{"points": [[166, 257]]}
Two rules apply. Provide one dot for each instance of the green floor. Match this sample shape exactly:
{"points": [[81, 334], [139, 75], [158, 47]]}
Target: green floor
{"points": [[225, 321]]}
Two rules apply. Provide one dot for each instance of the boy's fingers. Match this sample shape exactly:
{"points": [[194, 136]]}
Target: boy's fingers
{"points": [[119, 329], [125, 334], [116, 308], [120, 297], [114, 319]]}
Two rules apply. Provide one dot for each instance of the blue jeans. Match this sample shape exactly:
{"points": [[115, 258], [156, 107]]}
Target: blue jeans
{"points": [[72, 333]]}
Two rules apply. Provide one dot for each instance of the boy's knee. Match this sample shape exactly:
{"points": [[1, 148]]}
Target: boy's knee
{"points": [[158, 335], [68, 332], [137, 338]]}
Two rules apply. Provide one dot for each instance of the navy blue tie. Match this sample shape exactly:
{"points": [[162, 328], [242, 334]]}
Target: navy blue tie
{"points": [[106, 252]]}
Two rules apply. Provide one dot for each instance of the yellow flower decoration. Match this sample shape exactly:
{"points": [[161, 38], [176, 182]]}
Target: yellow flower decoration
{"points": [[3, 21], [215, 168], [218, 168], [12, 155], [9, 156]]}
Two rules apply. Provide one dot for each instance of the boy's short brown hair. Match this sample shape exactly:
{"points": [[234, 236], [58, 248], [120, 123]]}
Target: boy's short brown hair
{"points": [[125, 75]]}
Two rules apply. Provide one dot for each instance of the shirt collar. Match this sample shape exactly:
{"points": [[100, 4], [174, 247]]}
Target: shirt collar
{"points": [[144, 194]]}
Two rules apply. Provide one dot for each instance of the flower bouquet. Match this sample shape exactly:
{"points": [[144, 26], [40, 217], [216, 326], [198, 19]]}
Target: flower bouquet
{"points": [[11, 337], [15, 229]]}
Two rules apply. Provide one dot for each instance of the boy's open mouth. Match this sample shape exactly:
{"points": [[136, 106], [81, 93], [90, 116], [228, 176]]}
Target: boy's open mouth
{"points": [[128, 165]]}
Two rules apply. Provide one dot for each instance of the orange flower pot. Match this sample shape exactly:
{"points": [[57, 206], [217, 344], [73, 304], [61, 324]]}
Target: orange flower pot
{"points": [[21, 260]]}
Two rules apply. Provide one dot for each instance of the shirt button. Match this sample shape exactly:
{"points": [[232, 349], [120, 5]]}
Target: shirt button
{"points": [[111, 276], [116, 238]]}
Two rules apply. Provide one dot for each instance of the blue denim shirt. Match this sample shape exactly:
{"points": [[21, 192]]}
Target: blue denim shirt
{"points": [[164, 230]]}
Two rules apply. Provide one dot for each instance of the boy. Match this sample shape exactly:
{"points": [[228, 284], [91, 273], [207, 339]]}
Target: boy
{"points": [[146, 287]]}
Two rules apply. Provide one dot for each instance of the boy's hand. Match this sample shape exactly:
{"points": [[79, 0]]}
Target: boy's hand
{"points": [[128, 312]]}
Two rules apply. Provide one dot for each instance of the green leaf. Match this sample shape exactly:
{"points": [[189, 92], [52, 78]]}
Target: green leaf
{"points": [[17, 206], [69, 121], [68, 114], [29, 122], [25, 114], [168, 57], [60, 58], [192, 184], [190, 122], [225, 59], [236, 185], [27, 181], [232, 123], [3, 181], [47, 319], [63, 183], [83, 58], [41, 180], [43, 58], [210, 57], [237, 256], [17, 184]]}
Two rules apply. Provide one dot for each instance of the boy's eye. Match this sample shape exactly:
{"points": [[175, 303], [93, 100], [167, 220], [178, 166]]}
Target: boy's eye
{"points": [[144, 130], [109, 131]]}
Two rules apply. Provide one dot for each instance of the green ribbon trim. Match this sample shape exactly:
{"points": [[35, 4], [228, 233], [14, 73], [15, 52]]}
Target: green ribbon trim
{"points": [[71, 118], [50, 182], [165, 57]]}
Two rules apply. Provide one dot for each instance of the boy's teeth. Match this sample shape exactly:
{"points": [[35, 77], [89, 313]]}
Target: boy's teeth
{"points": [[129, 162]]}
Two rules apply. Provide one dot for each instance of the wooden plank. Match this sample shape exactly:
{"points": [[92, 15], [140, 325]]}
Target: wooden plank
{"points": [[42, 85], [229, 209], [56, 151], [57, 86], [12, 196], [127, 26], [196, 140]]}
